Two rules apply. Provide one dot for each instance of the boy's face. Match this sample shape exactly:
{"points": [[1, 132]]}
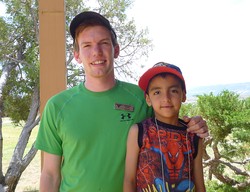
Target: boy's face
{"points": [[165, 95]]}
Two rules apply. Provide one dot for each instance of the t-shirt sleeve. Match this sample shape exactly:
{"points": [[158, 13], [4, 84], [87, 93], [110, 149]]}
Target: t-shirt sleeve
{"points": [[48, 139]]}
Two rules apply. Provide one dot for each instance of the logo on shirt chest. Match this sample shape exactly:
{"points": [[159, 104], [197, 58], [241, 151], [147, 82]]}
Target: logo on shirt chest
{"points": [[124, 107], [126, 111], [126, 117]]}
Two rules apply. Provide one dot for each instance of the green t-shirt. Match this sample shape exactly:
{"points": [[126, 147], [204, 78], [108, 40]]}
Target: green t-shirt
{"points": [[89, 129]]}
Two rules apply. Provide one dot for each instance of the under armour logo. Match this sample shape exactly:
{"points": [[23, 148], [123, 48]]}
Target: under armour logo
{"points": [[126, 116]]}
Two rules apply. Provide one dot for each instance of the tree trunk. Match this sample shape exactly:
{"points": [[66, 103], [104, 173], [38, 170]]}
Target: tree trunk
{"points": [[1, 152], [3, 80], [19, 163]]}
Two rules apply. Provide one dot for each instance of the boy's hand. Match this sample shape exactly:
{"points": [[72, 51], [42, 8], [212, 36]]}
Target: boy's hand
{"points": [[197, 125]]}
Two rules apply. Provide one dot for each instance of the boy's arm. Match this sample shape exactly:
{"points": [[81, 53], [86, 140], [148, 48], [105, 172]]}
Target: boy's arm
{"points": [[129, 184], [198, 169], [51, 173]]}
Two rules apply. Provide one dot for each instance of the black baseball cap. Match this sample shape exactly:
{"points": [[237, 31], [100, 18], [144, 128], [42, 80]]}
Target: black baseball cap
{"points": [[85, 17]]}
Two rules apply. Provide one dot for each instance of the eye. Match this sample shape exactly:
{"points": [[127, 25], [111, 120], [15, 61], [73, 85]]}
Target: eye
{"points": [[105, 42], [170, 155], [156, 93], [175, 90], [85, 45]]}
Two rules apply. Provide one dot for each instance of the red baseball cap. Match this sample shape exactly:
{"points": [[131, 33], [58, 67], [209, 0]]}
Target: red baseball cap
{"points": [[158, 68]]}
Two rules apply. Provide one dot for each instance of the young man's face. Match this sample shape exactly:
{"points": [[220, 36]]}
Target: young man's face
{"points": [[96, 51], [165, 95]]}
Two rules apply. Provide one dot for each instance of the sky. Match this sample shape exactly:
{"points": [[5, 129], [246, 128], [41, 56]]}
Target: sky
{"points": [[208, 39]]}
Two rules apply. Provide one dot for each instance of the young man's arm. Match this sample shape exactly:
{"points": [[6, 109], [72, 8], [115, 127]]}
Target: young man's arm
{"points": [[51, 173], [197, 125], [198, 169], [129, 184]]}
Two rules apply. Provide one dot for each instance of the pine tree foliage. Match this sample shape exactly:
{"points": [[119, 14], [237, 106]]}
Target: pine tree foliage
{"points": [[226, 155]]}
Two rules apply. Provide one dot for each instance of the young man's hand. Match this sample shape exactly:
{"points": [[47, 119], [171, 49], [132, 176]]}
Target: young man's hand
{"points": [[197, 125]]}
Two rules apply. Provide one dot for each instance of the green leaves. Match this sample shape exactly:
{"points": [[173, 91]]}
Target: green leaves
{"points": [[223, 112], [227, 148]]}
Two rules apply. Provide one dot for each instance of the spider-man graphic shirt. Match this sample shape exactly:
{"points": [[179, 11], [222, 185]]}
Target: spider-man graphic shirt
{"points": [[166, 155]]}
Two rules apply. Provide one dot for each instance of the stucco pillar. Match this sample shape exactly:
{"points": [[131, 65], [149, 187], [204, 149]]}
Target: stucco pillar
{"points": [[52, 48], [52, 44]]}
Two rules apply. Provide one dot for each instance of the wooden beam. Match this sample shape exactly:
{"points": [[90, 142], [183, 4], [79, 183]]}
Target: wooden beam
{"points": [[52, 45], [52, 49]]}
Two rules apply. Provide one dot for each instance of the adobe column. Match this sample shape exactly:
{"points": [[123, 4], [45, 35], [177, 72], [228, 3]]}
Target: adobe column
{"points": [[52, 48]]}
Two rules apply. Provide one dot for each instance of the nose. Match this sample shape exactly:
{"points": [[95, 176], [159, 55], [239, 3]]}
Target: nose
{"points": [[97, 50], [167, 96]]}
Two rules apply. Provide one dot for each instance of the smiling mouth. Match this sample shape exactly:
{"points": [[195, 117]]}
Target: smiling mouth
{"points": [[167, 107], [98, 62]]}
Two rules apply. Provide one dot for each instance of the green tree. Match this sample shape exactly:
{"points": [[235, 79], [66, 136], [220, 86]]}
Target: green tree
{"points": [[188, 109], [227, 154], [19, 66]]}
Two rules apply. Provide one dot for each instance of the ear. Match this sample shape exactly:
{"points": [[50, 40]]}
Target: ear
{"points": [[148, 100], [116, 51], [77, 58], [184, 97]]}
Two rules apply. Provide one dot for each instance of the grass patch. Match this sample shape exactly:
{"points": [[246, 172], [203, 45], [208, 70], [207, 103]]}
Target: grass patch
{"points": [[29, 181]]}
